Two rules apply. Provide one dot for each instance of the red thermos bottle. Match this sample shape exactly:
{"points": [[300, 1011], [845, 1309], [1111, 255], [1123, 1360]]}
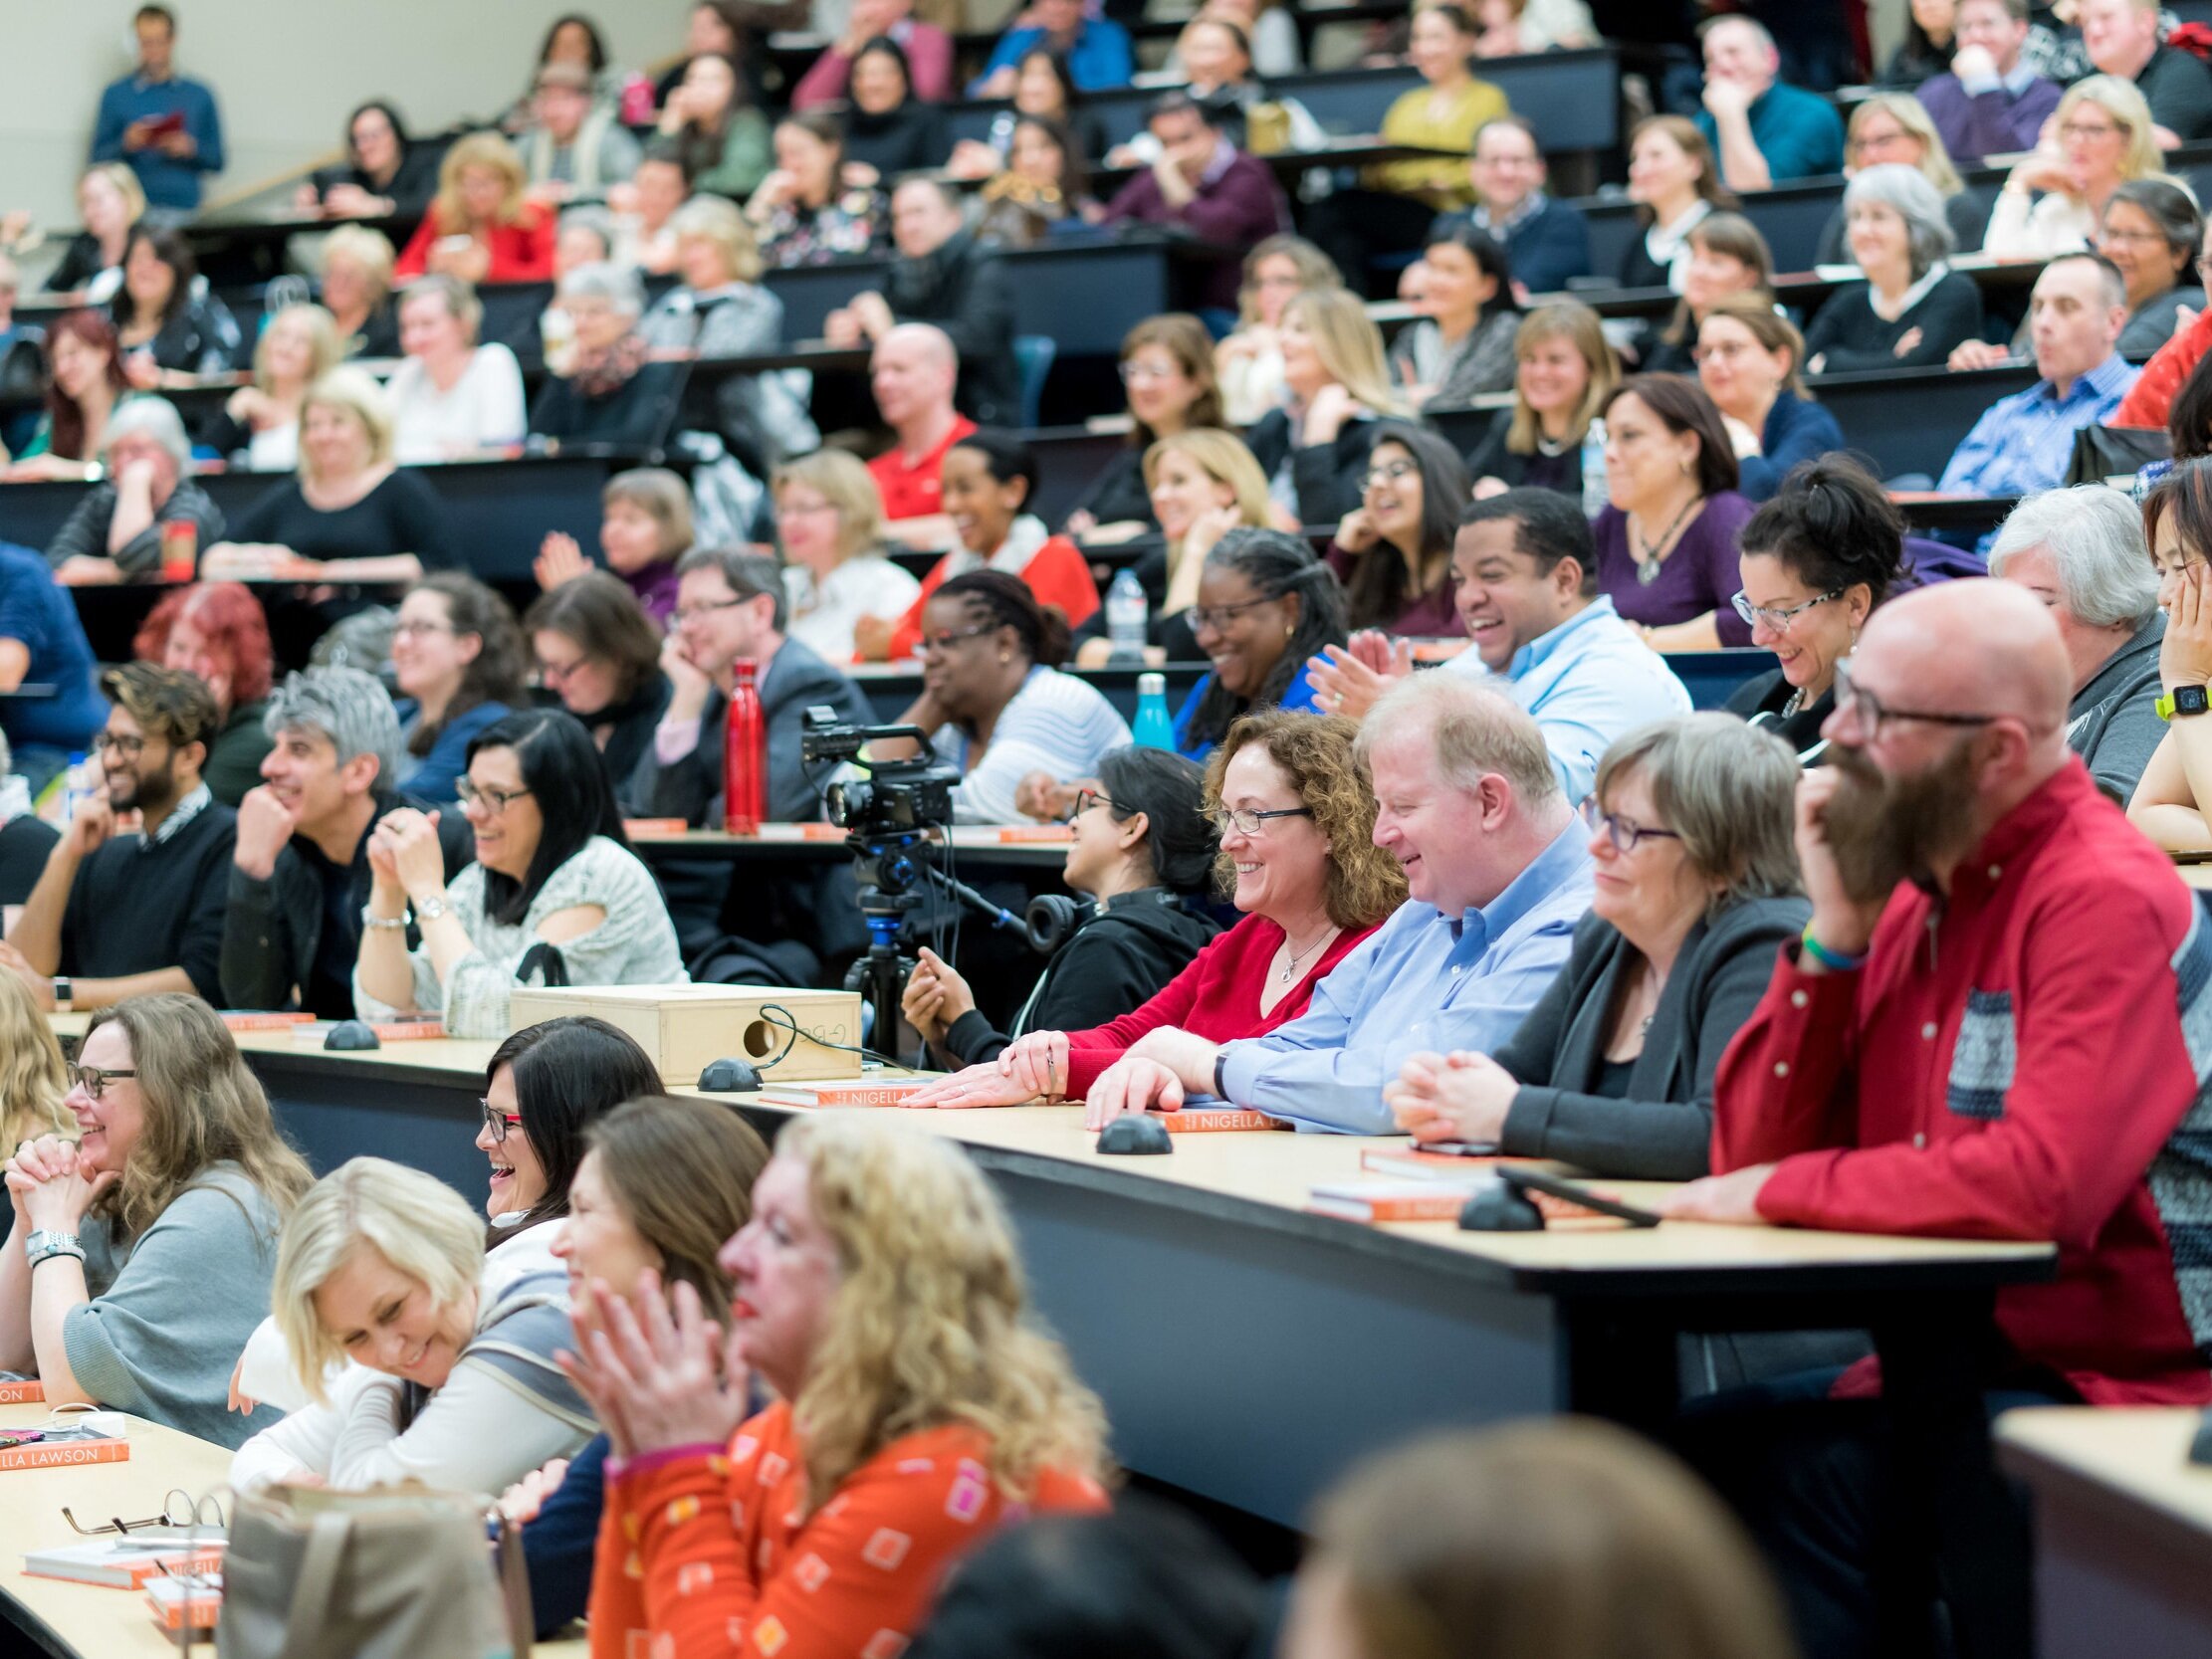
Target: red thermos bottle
{"points": [[745, 758]]}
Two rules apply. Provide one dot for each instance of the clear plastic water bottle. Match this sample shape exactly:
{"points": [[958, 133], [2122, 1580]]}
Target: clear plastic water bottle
{"points": [[1153, 730], [77, 788], [1128, 617], [1593, 498]]}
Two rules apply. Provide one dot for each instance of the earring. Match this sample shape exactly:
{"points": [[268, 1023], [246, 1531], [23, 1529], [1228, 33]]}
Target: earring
{"points": [[1005, 656], [1683, 463], [1289, 632]]}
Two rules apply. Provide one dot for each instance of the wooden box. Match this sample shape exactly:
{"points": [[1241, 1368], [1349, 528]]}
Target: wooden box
{"points": [[683, 1027]]}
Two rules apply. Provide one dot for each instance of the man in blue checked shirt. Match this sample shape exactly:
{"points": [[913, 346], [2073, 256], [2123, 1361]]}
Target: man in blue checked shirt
{"points": [[2021, 444], [1499, 871]]}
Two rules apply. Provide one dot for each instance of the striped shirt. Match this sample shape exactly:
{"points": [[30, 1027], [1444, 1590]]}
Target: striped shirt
{"points": [[2023, 443], [1055, 723]]}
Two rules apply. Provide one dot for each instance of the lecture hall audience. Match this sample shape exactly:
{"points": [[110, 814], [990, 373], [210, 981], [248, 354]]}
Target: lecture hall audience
{"points": [[1293, 807], [599, 654], [1204, 184], [358, 267], [1762, 129], [1893, 129], [42, 642], [890, 129], [85, 386], [927, 47], [260, 424], [1313, 446], [1728, 259], [2100, 139], [384, 174], [721, 139], [608, 391], [1248, 360], [2151, 230], [110, 204], [1167, 371], [2124, 40], [836, 574], [1462, 345], [1676, 184], [1546, 241], [1392, 552], [1914, 310], [1094, 49], [1043, 188], [805, 210], [911, 374], [170, 329], [482, 226]]}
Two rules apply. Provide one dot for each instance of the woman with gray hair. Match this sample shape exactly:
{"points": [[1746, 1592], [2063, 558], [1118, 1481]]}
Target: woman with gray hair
{"points": [[115, 533], [1913, 307], [604, 390], [2150, 229], [1696, 885]]}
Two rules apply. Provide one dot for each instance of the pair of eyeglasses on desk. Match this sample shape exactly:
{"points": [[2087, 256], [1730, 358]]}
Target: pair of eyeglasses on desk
{"points": [[179, 1511]]}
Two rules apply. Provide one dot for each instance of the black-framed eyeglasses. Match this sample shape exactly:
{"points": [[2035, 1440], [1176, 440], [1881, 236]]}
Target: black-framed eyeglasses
{"points": [[498, 1121], [702, 607], [95, 1081], [1219, 617], [944, 642], [1779, 620], [1247, 821], [1626, 834], [122, 744], [1866, 709], [492, 800], [1386, 472], [1085, 799]]}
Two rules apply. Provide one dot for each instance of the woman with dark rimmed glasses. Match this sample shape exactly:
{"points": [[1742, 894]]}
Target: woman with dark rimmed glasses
{"points": [[1143, 852]]}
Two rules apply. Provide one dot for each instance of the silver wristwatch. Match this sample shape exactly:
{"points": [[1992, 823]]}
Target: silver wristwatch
{"points": [[43, 1244], [430, 910]]}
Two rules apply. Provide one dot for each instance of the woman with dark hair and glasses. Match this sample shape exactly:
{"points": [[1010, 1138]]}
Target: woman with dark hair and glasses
{"points": [[1265, 607], [599, 653], [1817, 560], [1296, 811], [555, 880], [1690, 827], [1143, 850], [1393, 551], [543, 1089]]}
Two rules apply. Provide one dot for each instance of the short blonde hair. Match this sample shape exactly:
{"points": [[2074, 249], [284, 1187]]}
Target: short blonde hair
{"points": [[1350, 346], [458, 297], [371, 250], [324, 350], [844, 482], [1911, 115], [1471, 731], [356, 391], [416, 1222], [1224, 457], [126, 182], [2121, 101], [479, 149], [929, 1325], [1579, 325], [33, 1078], [717, 220]]}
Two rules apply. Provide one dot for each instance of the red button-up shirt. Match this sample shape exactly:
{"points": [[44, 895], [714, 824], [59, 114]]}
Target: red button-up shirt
{"points": [[2014, 1062]]}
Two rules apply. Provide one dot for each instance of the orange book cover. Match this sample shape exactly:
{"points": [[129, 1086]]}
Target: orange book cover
{"points": [[654, 826], [28, 1392], [54, 1454], [1206, 1119], [253, 1019], [112, 1569], [886, 1093], [1013, 833], [389, 1031], [1369, 1201], [173, 1600]]}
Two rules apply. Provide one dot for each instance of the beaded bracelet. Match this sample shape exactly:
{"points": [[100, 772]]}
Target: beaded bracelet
{"points": [[1833, 960]]}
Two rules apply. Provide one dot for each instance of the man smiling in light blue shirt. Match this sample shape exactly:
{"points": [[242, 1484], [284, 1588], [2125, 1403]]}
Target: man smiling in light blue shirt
{"points": [[1498, 873]]}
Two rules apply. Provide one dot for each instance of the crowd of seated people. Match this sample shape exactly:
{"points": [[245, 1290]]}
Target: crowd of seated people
{"points": [[1527, 899]]}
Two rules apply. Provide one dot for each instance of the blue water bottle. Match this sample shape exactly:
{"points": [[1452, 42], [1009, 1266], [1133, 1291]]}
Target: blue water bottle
{"points": [[1153, 729]]}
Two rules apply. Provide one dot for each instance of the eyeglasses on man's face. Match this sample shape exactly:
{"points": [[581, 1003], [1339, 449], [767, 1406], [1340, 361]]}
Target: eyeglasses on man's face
{"points": [[1863, 707]]}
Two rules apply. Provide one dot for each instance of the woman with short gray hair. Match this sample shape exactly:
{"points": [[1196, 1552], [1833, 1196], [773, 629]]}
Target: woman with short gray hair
{"points": [[1913, 307], [1696, 886], [115, 533], [602, 390]]}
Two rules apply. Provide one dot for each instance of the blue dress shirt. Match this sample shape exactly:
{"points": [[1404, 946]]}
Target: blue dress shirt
{"points": [[166, 181], [1101, 57], [1587, 682], [2022, 443], [1422, 981]]}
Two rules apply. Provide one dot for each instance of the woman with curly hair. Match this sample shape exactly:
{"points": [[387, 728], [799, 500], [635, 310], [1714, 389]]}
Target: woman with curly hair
{"points": [[876, 1291], [217, 631], [1296, 816]]}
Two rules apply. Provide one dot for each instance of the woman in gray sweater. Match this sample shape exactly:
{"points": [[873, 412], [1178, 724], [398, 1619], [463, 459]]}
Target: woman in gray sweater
{"points": [[1696, 885], [142, 1253]]}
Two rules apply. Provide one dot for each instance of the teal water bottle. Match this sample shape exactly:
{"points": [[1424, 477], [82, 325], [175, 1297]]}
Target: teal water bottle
{"points": [[1153, 729]]}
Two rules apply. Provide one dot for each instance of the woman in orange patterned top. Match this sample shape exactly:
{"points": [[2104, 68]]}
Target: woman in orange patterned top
{"points": [[877, 1293]]}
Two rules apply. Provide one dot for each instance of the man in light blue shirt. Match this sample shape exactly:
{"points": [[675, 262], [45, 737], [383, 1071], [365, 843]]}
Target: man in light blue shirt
{"points": [[1498, 873], [1526, 569]]}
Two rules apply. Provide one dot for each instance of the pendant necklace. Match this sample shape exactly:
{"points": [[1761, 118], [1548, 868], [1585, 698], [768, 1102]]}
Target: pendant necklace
{"points": [[1647, 562], [1291, 967]]}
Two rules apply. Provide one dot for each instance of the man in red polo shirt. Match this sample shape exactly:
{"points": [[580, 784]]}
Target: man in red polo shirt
{"points": [[1993, 1029], [912, 371]]}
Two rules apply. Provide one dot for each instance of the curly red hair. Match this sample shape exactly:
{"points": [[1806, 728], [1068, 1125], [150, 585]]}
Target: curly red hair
{"points": [[229, 618]]}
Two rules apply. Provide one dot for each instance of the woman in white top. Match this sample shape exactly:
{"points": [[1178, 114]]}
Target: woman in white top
{"points": [[298, 345], [1248, 364], [451, 396], [2100, 138], [553, 870], [1672, 177], [995, 707], [829, 517], [453, 1382]]}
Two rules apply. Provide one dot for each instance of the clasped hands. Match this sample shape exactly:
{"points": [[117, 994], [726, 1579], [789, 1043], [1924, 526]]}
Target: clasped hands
{"points": [[656, 1376], [51, 1187]]}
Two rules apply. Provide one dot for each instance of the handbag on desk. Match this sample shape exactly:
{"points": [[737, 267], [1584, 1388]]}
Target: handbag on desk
{"points": [[396, 1573]]}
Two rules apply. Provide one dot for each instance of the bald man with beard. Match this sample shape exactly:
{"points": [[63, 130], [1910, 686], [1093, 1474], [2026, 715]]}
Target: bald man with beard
{"points": [[1992, 1029]]}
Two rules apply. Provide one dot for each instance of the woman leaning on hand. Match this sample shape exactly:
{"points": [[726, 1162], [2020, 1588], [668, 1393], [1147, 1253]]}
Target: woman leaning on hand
{"points": [[156, 1231], [878, 1294], [1696, 885], [2169, 804]]}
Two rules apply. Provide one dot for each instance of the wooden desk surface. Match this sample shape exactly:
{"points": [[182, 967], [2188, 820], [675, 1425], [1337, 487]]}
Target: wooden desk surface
{"points": [[2130, 1457], [2196, 875], [94, 1621]]}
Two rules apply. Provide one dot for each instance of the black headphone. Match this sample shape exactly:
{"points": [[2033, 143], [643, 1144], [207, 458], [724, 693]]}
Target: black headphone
{"points": [[1054, 918]]}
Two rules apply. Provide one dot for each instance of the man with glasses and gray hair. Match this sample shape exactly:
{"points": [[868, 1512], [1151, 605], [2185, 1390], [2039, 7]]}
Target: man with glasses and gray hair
{"points": [[299, 874], [2081, 552]]}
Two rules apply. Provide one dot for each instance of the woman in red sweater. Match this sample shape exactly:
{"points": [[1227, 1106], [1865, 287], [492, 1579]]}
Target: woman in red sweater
{"points": [[481, 228], [1296, 814], [877, 1293]]}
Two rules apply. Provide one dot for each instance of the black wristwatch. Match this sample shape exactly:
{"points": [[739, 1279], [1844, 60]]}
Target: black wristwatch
{"points": [[2183, 701]]}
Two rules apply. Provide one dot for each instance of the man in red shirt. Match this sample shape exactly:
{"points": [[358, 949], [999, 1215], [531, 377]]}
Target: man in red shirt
{"points": [[1993, 1029], [912, 373]]}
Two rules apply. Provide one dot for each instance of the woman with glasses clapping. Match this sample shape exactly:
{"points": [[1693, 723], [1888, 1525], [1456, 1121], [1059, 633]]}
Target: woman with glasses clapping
{"points": [[1696, 885], [1296, 811], [1817, 561], [552, 869]]}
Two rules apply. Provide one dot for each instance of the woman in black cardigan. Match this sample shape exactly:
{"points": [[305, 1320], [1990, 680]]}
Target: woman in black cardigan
{"points": [[1696, 885]]}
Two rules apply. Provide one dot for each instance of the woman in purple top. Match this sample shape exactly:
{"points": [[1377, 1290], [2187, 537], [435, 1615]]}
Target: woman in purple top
{"points": [[1666, 546], [644, 529]]}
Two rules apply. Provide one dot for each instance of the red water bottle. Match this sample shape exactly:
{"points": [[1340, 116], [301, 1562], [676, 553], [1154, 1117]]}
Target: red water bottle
{"points": [[745, 759]]}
